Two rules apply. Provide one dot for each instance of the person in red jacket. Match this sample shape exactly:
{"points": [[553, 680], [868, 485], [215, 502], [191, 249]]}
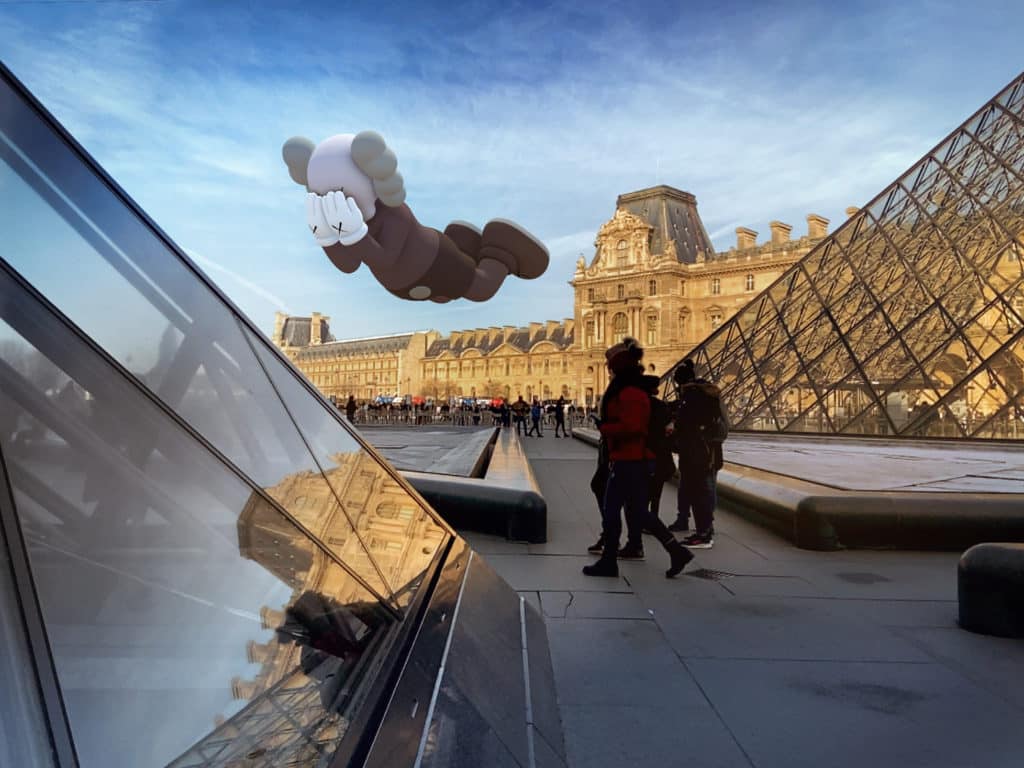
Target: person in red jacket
{"points": [[625, 416]]}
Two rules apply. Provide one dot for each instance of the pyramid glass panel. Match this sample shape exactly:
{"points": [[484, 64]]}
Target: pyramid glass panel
{"points": [[160, 587], [922, 289], [23, 734], [176, 335], [402, 535]]}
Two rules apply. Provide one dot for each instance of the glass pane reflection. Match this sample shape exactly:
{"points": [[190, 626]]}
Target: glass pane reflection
{"points": [[185, 614], [63, 228], [401, 534], [24, 738]]}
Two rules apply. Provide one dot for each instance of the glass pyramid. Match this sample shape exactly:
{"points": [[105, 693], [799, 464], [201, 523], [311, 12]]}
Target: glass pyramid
{"points": [[909, 319], [200, 565]]}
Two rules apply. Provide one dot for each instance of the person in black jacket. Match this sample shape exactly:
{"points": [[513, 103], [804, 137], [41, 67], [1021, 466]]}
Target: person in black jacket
{"points": [[660, 444], [697, 412]]}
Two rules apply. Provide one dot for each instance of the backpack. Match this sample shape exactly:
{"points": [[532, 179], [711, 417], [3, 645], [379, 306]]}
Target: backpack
{"points": [[700, 425]]}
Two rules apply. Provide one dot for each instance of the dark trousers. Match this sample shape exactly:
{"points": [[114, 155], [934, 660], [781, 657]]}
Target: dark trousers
{"points": [[520, 425], [535, 428], [560, 423], [654, 495], [697, 492], [627, 489]]}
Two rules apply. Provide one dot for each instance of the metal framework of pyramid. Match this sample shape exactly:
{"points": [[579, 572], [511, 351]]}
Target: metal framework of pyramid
{"points": [[909, 319]]}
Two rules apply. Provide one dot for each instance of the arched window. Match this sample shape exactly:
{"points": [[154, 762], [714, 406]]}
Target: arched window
{"points": [[750, 282], [652, 331], [620, 327], [621, 245], [620, 291], [387, 510], [652, 288]]}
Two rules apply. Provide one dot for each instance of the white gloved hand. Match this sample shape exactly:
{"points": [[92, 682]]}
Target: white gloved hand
{"points": [[344, 218], [317, 222]]}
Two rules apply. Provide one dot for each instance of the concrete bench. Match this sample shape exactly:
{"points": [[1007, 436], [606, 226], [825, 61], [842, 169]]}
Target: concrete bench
{"points": [[506, 501], [990, 584]]}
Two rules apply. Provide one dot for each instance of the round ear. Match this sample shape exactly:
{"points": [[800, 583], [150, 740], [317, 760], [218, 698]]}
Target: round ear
{"points": [[372, 156], [296, 153]]}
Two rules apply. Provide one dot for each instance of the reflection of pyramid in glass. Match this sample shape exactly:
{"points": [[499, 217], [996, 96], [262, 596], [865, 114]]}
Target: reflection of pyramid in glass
{"points": [[908, 319], [220, 564]]}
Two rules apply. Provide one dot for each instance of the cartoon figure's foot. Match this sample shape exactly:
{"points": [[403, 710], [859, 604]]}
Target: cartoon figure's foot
{"points": [[507, 242], [466, 237]]}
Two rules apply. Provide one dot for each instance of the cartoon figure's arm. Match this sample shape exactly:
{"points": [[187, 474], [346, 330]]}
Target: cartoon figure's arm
{"points": [[353, 244]]}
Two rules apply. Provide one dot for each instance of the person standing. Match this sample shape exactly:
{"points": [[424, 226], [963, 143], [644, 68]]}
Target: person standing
{"points": [[519, 410], [350, 409], [560, 417], [698, 429], [659, 441], [624, 423], [536, 414]]}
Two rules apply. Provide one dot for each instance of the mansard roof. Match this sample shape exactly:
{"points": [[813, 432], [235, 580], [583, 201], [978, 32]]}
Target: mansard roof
{"points": [[296, 331], [486, 341], [673, 216], [374, 345]]}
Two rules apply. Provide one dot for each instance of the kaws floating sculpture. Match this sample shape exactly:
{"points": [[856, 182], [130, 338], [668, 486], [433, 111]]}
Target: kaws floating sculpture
{"points": [[356, 209]]}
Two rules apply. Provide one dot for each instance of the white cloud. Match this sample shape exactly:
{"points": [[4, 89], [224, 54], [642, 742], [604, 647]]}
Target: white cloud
{"points": [[538, 116]]}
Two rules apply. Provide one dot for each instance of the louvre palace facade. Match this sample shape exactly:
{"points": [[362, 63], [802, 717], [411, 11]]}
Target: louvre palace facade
{"points": [[654, 275]]}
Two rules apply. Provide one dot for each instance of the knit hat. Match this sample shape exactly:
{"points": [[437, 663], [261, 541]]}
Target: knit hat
{"points": [[624, 355], [685, 372]]}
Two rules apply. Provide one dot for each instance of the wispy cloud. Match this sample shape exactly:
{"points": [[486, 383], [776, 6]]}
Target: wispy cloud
{"points": [[244, 282], [542, 115]]}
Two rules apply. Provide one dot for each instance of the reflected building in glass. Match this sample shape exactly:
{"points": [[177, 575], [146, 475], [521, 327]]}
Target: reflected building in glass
{"points": [[200, 565], [908, 320]]}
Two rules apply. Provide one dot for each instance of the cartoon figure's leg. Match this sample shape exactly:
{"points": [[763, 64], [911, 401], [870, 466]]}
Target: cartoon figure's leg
{"points": [[507, 242], [500, 250]]}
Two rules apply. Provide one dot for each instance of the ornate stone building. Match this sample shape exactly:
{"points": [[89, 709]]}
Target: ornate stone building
{"points": [[654, 275]]}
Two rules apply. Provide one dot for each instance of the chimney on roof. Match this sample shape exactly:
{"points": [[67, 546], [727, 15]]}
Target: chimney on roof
{"points": [[745, 238], [279, 318], [852, 211], [508, 331], [534, 330], [552, 326], [314, 329], [780, 232], [817, 226]]}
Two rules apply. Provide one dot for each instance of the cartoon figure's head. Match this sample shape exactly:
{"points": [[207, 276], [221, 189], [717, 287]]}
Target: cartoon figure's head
{"points": [[360, 165]]}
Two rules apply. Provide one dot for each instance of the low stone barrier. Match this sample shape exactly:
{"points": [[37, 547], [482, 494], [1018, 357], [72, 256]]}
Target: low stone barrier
{"points": [[990, 586], [506, 501]]}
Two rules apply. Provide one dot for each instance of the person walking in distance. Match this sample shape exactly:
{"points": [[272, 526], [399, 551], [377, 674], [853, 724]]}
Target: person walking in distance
{"points": [[519, 410], [560, 417], [536, 414], [624, 423], [699, 428], [350, 409]]}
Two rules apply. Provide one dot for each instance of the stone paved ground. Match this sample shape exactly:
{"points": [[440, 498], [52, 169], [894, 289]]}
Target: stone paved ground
{"points": [[762, 654]]}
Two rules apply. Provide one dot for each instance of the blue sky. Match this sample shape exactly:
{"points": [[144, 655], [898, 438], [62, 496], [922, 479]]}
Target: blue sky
{"points": [[536, 111]]}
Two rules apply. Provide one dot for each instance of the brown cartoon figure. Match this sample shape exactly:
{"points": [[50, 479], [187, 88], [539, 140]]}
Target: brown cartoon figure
{"points": [[356, 209]]}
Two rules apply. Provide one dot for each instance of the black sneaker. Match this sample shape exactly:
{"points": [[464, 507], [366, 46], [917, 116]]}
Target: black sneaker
{"points": [[602, 568], [680, 557], [680, 526], [700, 540], [598, 547], [631, 552]]}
